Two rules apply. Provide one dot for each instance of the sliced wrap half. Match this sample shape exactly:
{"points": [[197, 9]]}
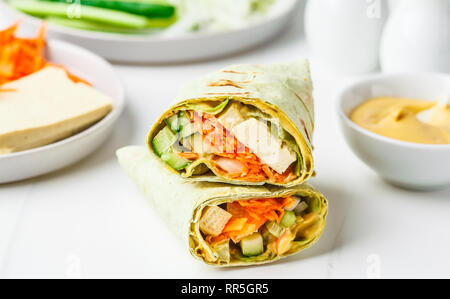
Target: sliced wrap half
{"points": [[229, 225], [245, 125]]}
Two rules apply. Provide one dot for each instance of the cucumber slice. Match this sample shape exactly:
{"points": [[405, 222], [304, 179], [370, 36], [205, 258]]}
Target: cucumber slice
{"points": [[275, 229], [187, 130], [95, 14], [163, 141], [149, 9], [186, 127], [175, 161], [92, 26], [173, 123], [252, 245], [288, 219]]}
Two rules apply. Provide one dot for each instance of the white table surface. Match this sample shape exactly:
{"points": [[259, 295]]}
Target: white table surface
{"points": [[90, 221]]}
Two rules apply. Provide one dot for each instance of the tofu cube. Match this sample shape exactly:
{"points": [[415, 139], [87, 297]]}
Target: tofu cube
{"points": [[213, 220]]}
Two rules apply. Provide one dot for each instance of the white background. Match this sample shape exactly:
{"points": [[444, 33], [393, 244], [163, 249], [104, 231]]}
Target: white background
{"points": [[90, 221]]}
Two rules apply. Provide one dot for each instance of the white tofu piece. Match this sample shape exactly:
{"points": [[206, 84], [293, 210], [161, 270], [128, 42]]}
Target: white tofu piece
{"points": [[46, 107], [256, 136]]}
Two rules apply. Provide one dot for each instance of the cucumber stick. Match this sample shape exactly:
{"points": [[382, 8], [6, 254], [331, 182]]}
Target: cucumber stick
{"points": [[164, 141], [163, 146], [175, 161], [252, 245], [288, 219], [148, 9], [94, 26], [95, 14], [89, 25]]}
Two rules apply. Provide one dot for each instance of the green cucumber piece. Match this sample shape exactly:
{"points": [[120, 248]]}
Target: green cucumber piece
{"points": [[150, 9], [175, 161], [186, 127], [91, 26], [95, 14], [163, 141], [187, 130], [252, 245], [275, 229], [288, 219]]}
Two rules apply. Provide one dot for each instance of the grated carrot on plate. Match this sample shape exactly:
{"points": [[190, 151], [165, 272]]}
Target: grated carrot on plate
{"points": [[20, 57]]}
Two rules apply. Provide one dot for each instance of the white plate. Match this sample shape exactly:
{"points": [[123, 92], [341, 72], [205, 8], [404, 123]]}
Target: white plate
{"points": [[154, 49], [42, 160]]}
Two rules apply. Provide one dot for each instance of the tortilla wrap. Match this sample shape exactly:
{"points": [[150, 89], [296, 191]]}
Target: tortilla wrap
{"points": [[282, 95], [181, 204]]}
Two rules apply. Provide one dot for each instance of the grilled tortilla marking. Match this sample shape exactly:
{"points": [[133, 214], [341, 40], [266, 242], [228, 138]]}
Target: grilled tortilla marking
{"points": [[306, 130], [229, 93], [311, 116], [242, 73], [234, 72], [224, 82]]}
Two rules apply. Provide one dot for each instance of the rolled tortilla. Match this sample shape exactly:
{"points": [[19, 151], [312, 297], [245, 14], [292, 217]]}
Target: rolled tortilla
{"points": [[182, 203], [279, 96]]}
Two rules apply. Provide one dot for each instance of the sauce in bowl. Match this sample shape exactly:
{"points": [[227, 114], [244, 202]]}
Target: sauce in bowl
{"points": [[410, 120]]}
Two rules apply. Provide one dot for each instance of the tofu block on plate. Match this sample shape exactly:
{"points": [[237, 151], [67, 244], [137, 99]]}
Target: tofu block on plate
{"points": [[46, 107]]}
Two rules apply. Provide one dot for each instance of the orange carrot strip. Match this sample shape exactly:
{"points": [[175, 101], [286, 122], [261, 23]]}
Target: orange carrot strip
{"points": [[289, 202], [235, 224], [20, 57], [189, 156]]}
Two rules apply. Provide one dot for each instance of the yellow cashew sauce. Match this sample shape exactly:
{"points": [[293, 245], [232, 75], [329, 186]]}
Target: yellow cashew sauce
{"points": [[398, 118]]}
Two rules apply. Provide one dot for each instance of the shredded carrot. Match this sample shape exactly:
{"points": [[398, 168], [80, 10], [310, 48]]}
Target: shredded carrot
{"points": [[249, 215], [7, 90], [227, 146], [235, 224], [289, 202], [20, 57]]}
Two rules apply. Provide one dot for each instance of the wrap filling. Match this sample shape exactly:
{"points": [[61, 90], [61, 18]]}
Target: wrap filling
{"points": [[256, 230]]}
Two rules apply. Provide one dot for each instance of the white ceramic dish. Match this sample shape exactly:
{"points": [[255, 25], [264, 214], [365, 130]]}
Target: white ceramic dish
{"points": [[42, 160], [408, 165], [154, 49]]}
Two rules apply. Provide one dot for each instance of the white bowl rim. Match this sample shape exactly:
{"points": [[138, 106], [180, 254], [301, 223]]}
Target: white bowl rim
{"points": [[119, 104], [148, 38], [381, 138]]}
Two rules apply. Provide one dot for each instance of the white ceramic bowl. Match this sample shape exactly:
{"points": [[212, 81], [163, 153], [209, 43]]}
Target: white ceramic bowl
{"points": [[160, 49], [404, 164], [35, 162]]}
